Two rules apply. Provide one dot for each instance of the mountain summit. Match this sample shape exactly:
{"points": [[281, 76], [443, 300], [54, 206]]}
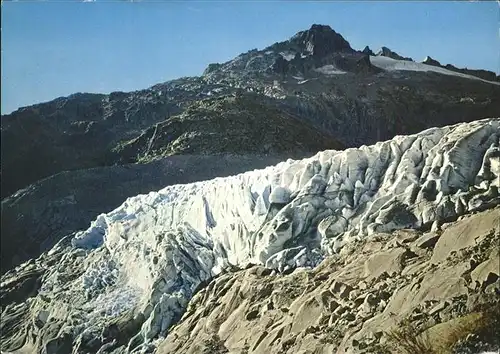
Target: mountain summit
{"points": [[321, 40], [386, 52]]}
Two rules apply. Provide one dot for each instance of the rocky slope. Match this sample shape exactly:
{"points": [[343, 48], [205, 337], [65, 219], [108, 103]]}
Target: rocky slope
{"points": [[228, 125], [121, 285]]}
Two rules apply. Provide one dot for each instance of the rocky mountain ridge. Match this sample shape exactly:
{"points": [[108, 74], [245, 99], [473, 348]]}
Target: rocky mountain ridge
{"points": [[403, 281], [379, 237], [315, 76]]}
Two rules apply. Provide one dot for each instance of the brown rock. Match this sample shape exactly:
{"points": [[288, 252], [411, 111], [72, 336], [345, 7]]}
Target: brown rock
{"points": [[467, 233], [390, 262], [487, 272]]}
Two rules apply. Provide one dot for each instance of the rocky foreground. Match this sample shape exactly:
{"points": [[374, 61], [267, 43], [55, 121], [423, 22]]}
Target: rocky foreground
{"points": [[437, 290], [390, 293]]}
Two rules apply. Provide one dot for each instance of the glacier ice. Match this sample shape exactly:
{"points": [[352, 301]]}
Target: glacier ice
{"points": [[390, 64], [151, 253]]}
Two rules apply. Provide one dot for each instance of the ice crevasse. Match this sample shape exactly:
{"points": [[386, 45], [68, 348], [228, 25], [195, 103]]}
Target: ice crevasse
{"points": [[162, 245]]}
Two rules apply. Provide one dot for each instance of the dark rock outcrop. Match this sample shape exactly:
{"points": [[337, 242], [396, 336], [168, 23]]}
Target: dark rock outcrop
{"points": [[321, 40], [483, 74], [368, 51], [429, 61], [211, 67], [280, 65], [353, 303], [386, 52]]}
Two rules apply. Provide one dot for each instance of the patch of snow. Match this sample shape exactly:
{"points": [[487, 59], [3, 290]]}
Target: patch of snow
{"points": [[329, 70], [287, 55], [390, 64]]}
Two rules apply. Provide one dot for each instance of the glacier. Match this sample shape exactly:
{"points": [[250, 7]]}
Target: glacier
{"points": [[151, 254], [390, 64]]}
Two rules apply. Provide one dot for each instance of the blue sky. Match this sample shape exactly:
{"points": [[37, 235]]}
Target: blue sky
{"points": [[52, 49]]}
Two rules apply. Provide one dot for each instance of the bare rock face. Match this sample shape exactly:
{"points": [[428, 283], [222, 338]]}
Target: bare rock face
{"points": [[321, 40], [455, 238], [484, 74], [338, 307]]}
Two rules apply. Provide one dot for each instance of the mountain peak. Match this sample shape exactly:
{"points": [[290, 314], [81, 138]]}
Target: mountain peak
{"points": [[386, 52], [321, 28], [368, 51], [321, 40]]}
